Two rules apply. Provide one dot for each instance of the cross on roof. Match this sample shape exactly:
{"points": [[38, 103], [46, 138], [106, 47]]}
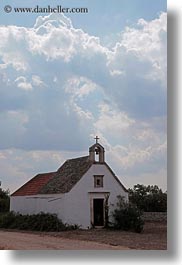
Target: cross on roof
{"points": [[96, 138]]}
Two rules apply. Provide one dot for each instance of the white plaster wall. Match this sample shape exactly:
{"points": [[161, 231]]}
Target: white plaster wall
{"points": [[39, 203], [78, 200], [73, 207]]}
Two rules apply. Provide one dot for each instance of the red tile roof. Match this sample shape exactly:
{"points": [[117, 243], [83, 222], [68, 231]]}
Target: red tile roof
{"points": [[61, 181], [33, 186]]}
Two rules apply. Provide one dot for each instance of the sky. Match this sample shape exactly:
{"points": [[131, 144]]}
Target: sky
{"points": [[65, 78]]}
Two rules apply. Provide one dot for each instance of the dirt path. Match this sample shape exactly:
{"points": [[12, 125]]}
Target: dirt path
{"points": [[27, 241]]}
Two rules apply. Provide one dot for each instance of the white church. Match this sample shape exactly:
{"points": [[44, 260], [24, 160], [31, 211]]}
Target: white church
{"points": [[79, 192]]}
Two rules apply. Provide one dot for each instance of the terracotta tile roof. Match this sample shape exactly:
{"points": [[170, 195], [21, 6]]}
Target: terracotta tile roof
{"points": [[33, 186], [67, 175], [61, 181]]}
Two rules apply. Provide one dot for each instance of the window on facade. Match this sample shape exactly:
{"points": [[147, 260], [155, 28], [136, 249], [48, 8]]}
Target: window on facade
{"points": [[98, 181]]}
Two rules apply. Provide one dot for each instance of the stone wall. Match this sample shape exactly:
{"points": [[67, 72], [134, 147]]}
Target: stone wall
{"points": [[155, 216]]}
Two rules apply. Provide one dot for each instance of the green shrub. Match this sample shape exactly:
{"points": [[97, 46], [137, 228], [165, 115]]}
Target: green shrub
{"points": [[35, 222], [127, 217]]}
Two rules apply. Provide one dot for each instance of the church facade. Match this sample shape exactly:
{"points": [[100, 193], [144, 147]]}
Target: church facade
{"points": [[80, 192]]}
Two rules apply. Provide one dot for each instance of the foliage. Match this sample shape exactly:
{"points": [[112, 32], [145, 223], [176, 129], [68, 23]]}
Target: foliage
{"points": [[148, 198], [127, 217], [35, 222], [4, 201]]}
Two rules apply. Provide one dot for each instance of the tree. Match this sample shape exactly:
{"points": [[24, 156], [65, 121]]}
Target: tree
{"points": [[4, 200], [148, 198]]}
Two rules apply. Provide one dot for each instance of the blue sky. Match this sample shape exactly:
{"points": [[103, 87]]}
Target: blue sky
{"points": [[64, 79]]}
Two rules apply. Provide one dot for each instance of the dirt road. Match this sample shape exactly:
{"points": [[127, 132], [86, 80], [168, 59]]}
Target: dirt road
{"points": [[28, 241]]}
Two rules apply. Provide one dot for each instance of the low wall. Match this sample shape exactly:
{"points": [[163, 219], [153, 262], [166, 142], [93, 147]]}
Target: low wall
{"points": [[155, 216]]}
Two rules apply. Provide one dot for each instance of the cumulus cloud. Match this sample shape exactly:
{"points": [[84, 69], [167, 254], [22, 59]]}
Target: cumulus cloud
{"points": [[59, 86], [148, 43], [56, 38], [138, 65]]}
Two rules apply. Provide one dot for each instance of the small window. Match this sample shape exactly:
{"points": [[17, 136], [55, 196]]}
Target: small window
{"points": [[98, 181]]}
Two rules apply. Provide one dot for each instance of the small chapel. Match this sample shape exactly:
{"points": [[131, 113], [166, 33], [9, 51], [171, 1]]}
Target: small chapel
{"points": [[82, 191]]}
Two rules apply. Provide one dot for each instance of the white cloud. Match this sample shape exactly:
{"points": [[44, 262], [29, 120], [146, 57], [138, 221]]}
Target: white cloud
{"points": [[135, 158], [56, 19], [11, 43], [55, 37], [147, 43], [83, 67], [131, 155], [83, 115], [15, 59], [23, 84], [116, 92], [36, 81], [116, 72], [79, 87], [112, 121], [59, 39], [131, 145]]}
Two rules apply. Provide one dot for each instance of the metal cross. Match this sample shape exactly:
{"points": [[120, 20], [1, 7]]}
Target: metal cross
{"points": [[96, 138]]}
